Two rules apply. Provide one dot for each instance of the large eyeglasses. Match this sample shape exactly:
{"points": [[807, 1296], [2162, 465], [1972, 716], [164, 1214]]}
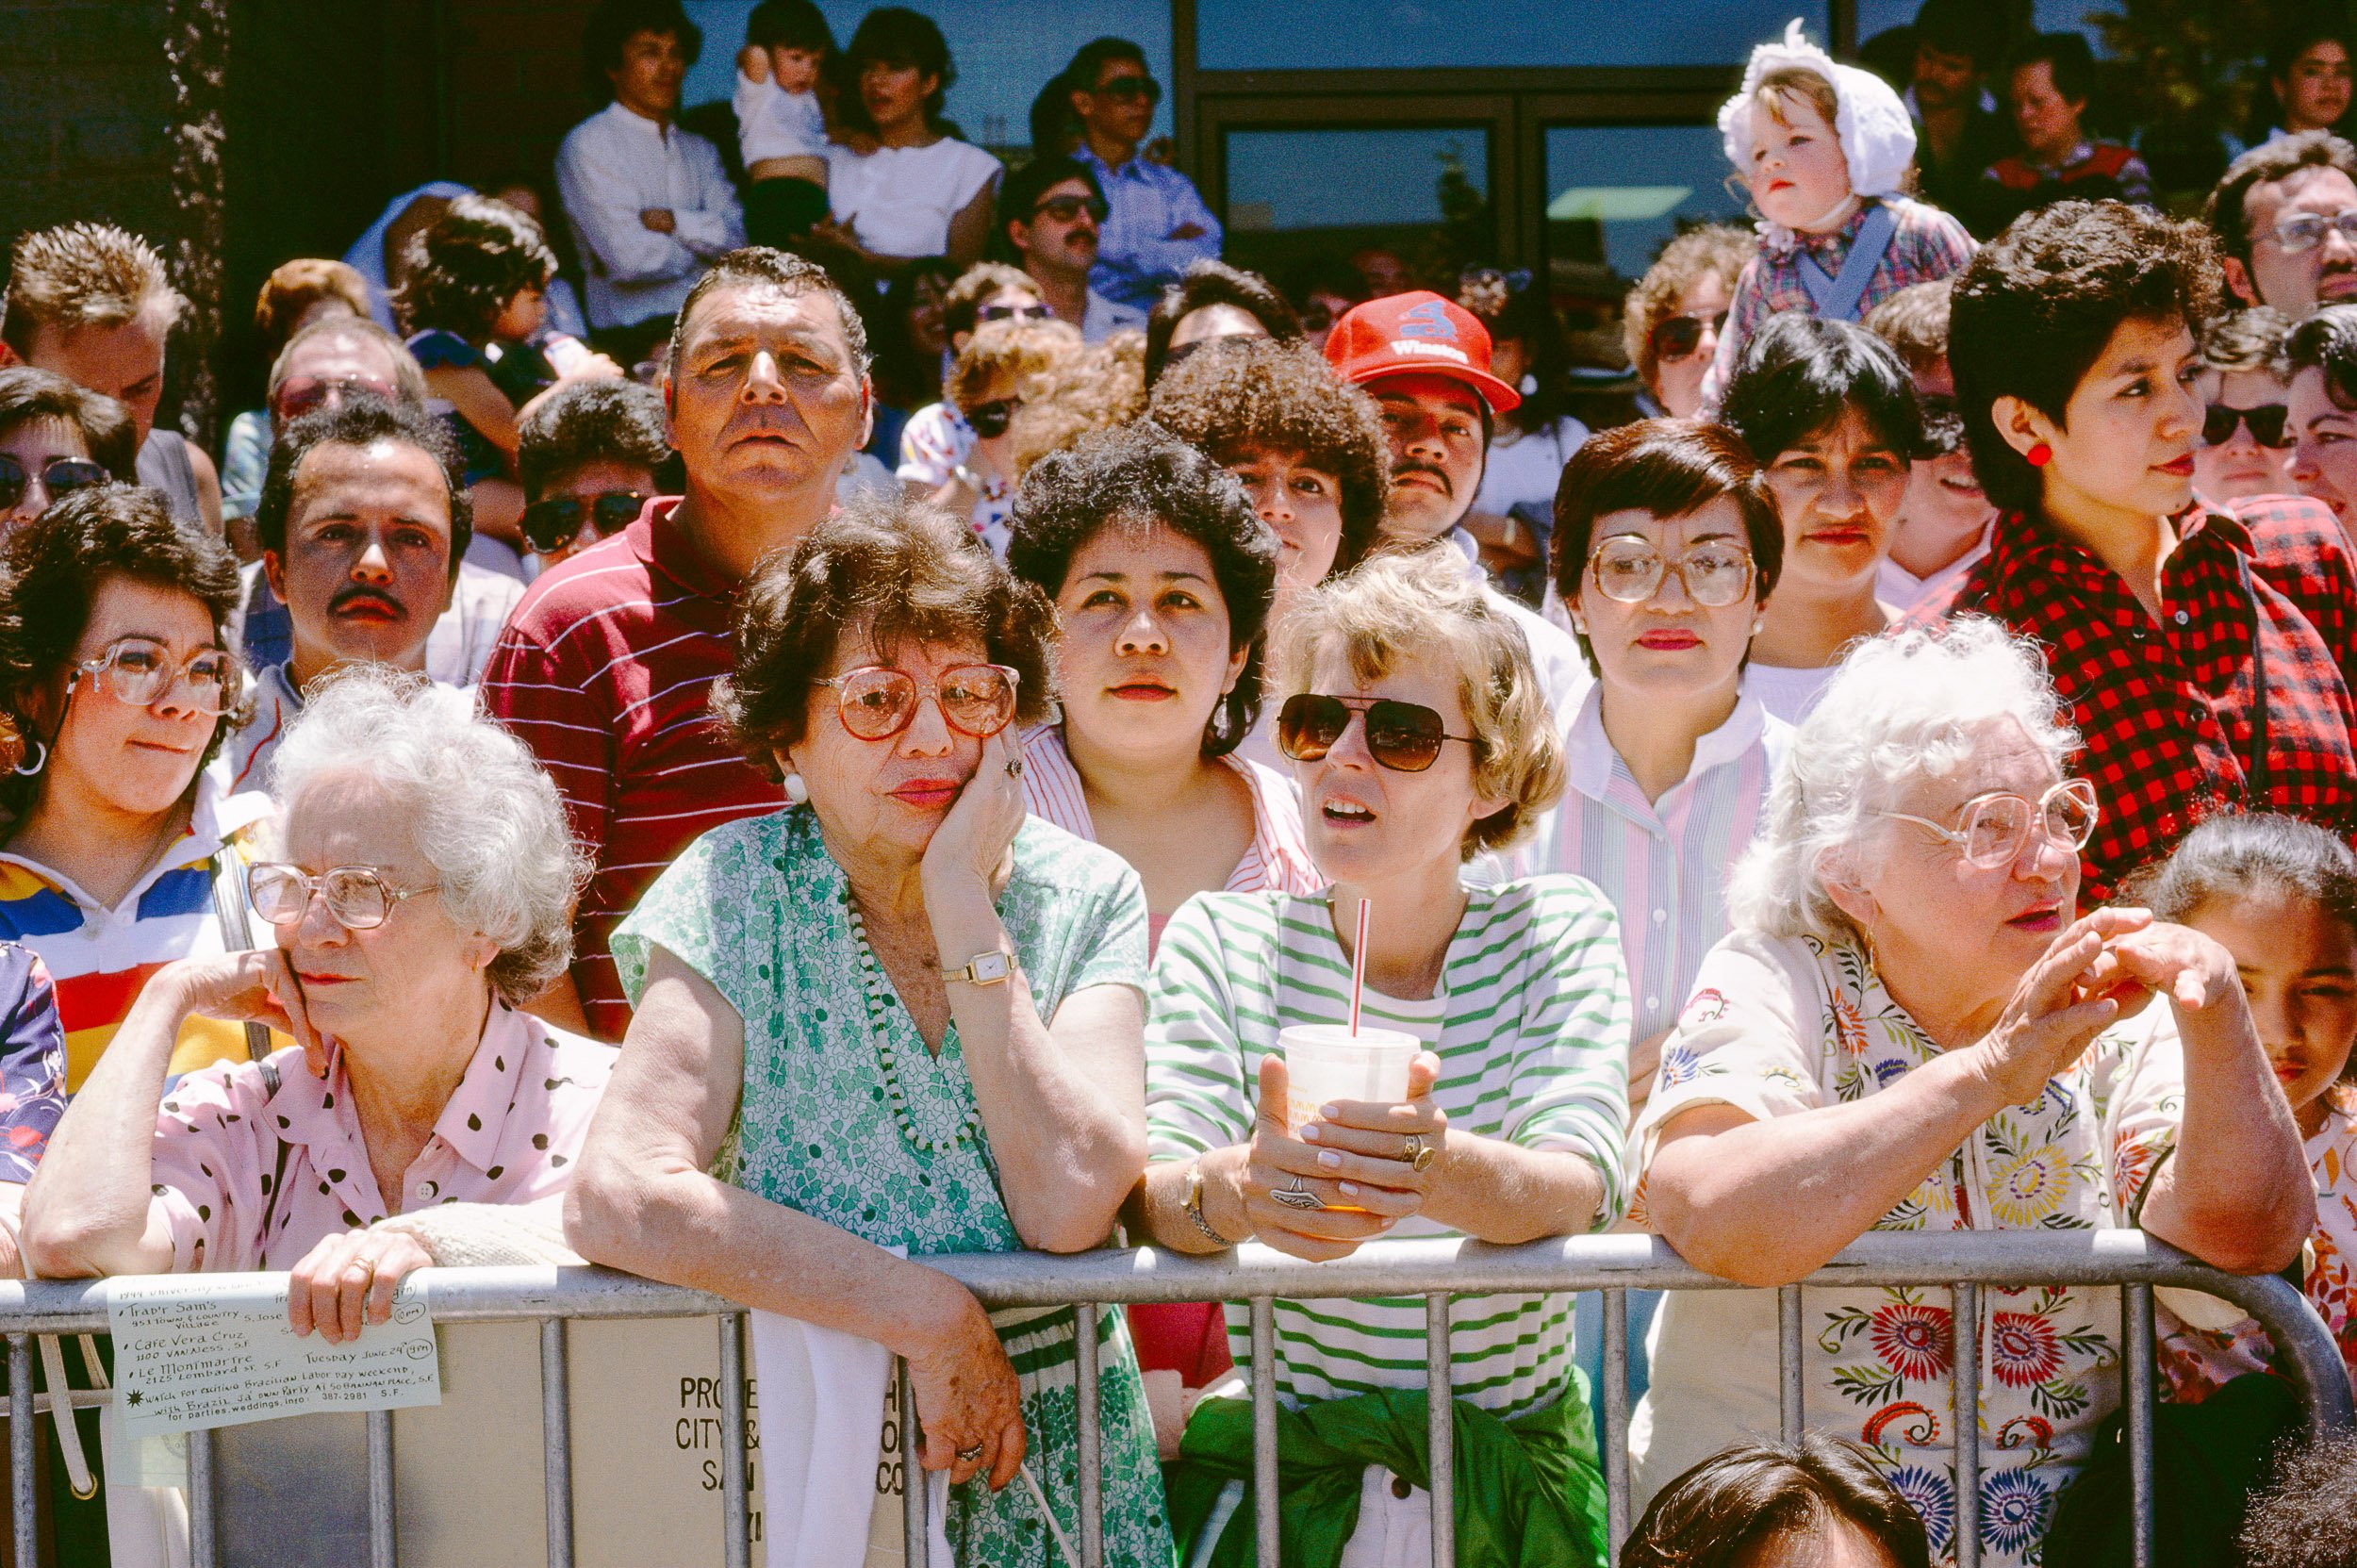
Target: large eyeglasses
{"points": [[358, 897], [1403, 736], [976, 699], [1029, 310], [2266, 421], [2305, 231], [1677, 337], [141, 672], [1995, 827], [1628, 572], [60, 476]]}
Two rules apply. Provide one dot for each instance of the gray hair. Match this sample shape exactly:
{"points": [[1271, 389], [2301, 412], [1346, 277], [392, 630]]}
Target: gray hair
{"points": [[1900, 708], [485, 814], [408, 379]]}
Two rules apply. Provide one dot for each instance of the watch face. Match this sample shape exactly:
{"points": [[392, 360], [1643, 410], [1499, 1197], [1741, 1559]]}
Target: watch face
{"points": [[990, 966]]}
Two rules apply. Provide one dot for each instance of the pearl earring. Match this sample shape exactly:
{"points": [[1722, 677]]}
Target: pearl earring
{"points": [[796, 791]]}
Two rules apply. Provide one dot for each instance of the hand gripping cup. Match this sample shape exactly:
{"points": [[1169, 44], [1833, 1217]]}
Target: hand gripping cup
{"points": [[1324, 1063]]}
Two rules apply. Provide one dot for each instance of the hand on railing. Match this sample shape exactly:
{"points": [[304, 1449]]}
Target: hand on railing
{"points": [[967, 1399], [348, 1279], [1281, 1173]]}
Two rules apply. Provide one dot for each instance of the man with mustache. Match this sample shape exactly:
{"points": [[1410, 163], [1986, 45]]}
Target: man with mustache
{"points": [[605, 669], [1426, 361], [2285, 215], [363, 520]]}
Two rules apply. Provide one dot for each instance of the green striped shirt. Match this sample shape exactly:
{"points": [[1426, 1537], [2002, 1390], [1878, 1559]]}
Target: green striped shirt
{"points": [[1530, 1022]]}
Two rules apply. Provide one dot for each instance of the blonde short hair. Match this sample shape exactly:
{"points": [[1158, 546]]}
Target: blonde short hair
{"points": [[1098, 389], [1392, 608], [1013, 350], [1779, 88], [82, 275], [1714, 250]]}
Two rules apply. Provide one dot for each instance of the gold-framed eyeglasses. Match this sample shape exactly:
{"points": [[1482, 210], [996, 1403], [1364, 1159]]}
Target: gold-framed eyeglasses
{"points": [[358, 897], [1993, 828], [1629, 571]]}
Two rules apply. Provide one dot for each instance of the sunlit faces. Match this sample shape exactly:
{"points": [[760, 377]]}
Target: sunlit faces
{"points": [[1678, 383], [2125, 445], [2315, 93], [1433, 426], [1065, 243], [335, 360], [1303, 505], [1670, 644], [125, 362], [766, 398], [1926, 908], [2298, 280], [1839, 491], [1145, 653], [35, 444], [2242, 465], [137, 760], [1798, 176], [897, 790], [2324, 461], [1364, 822], [367, 567], [648, 80], [2298, 967], [1829, 1542], [365, 988]]}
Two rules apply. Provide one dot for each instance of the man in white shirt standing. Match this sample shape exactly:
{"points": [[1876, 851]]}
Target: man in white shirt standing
{"points": [[1051, 210], [649, 205]]}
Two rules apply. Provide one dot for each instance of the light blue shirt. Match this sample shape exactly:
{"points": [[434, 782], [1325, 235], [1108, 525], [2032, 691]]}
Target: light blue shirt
{"points": [[1135, 255]]}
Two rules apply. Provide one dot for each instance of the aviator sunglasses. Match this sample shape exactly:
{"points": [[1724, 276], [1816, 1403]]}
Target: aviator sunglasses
{"points": [[1403, 736]]}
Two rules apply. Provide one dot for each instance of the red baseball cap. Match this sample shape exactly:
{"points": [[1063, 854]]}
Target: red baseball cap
{"points": [[1417, 334]]}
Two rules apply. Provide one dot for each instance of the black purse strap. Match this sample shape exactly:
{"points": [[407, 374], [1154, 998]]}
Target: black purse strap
{"points": [[2254, 773]]}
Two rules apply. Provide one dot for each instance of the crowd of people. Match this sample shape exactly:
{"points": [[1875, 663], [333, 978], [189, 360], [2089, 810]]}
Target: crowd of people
{"points": [[1905, 781]]}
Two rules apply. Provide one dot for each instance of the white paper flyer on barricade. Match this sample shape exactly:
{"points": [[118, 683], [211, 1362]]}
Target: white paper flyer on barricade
{"points": [[215, 1350]]}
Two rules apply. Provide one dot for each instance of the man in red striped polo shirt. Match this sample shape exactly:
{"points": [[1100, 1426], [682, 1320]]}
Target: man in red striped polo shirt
{"points": [[605, 667]]}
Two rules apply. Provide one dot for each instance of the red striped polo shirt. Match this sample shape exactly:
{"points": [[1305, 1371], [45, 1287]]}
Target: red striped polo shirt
{"points": [[605, 671]]}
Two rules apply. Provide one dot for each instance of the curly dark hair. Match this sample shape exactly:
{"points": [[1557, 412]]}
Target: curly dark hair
{"points": [[1800, 373], [55, 574], [1134, 478], [908, 570], [363, 422], [465, 269], [589, 421], [1667, 468], [1753, 1493], [2326, 341], [2029, 316], [1714, 250], [1206, 283], [1249, 395]]}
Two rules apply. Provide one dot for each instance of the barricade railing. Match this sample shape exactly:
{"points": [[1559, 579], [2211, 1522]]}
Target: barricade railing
{"points": [[1963, 1262]]}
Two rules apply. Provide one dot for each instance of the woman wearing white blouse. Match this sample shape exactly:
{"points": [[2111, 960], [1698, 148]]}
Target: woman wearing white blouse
{"points": [[913, 189]]}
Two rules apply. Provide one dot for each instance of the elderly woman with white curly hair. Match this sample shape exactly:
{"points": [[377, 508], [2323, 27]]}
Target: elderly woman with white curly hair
{"points": [[420, 893], [1912, 1027]]}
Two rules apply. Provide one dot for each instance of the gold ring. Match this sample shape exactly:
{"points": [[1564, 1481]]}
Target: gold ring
{"points": [[1418, 1153]]}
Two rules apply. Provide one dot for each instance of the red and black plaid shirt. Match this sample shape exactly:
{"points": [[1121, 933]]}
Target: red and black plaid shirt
{"points": [[2166, 708]]}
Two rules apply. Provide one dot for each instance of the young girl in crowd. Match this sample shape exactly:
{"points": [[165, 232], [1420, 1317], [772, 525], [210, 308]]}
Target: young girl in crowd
{"points": [[780, 125], [1824, 151], [2280, 895]]}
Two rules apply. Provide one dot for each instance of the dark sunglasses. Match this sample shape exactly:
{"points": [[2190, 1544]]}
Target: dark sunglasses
{"points": [[1034, 311], [1680, 336], [1133, 87], [61, 477], [303, 395], [2266, 421], [1404, 736], [990, 419], [555, 522], [1065, 208]]}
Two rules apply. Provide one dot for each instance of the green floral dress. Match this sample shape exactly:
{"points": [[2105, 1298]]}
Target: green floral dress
{"points": [[758, 908]]}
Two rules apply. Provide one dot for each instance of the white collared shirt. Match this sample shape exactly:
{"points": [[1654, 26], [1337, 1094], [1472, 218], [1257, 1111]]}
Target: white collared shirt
{"points": [[615, 166], [1104, 317], [1664, 864]]}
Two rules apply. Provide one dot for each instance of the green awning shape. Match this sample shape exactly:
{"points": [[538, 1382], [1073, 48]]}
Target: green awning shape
{"points": [[1616, 203]]}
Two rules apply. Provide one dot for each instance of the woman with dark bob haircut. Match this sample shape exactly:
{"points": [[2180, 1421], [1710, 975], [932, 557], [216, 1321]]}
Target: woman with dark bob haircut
{"points": [[1830, 411], [56, 438], [898, 1013], [2202, 647], [119, 688], [1780, 1505], [1212, 300]]}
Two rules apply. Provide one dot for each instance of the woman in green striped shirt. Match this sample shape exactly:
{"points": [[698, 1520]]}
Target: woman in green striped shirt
{"points": [[1419, 739]]}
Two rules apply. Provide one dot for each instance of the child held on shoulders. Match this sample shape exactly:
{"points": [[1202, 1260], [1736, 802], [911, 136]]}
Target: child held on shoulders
{"points": [[1824, 151], [781, 125]]}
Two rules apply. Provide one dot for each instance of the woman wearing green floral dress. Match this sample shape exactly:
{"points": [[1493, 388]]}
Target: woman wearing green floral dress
{"points": [[898, 1014]]}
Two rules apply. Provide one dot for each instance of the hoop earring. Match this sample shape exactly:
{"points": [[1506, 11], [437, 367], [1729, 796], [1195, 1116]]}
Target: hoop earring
{"points": [[40, 760], [2039, 455], [796, 791]]}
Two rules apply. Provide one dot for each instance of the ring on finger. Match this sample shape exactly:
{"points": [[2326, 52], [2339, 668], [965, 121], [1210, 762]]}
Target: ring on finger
{"points": [[1014, 768], [970, 1455], [1296, 1197], [1418, 1153]]}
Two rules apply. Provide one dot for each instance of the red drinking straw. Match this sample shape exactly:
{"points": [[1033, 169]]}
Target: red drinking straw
{"points": [[1358, 966]]}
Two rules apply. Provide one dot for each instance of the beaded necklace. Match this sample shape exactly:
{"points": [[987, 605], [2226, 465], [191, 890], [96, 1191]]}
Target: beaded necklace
{"points": [[873, 986]]}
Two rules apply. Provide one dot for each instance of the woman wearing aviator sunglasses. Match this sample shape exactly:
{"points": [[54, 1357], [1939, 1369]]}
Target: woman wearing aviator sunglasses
{"points": [[2247, 442], [56, 438], [1420, 738], [119, 688], [898, 1013]]}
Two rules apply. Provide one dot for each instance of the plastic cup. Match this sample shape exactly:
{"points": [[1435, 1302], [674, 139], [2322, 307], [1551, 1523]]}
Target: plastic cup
{"points": [[1324, 1063]]}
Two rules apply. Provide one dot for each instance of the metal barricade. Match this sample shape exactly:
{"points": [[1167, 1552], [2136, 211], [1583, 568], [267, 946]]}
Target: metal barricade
{"points": [[1438, 1270]]}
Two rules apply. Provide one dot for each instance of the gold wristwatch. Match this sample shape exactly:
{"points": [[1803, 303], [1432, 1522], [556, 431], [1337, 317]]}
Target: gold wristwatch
{"points": [[983, 969]]}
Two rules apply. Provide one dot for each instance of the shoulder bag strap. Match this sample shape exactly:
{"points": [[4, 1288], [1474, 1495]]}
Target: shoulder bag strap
{"points": [[236, 935], [1837, 299]]}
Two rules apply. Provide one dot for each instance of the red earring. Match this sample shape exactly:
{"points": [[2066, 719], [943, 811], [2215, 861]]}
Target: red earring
{"points": [[2039, 455]]}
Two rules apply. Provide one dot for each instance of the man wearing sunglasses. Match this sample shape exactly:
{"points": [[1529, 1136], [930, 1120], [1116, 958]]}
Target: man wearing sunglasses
{"points": [[1426, 361], [1156, 222], [363, 520], [587, 456], [1051, 210], [2285, 215]]}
